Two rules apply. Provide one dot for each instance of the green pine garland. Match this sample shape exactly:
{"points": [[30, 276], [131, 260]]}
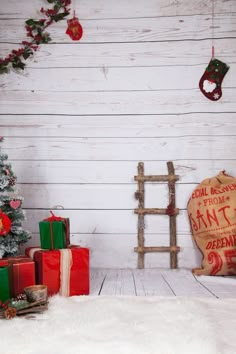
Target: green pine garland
{"points": [[36, 31]]}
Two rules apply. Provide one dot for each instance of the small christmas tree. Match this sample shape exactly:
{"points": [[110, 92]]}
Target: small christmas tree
{"points": [[11, 214]]}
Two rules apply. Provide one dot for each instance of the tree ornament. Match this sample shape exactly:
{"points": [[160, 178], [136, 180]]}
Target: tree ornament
{"points": [[15, 204], [12, 181], [211, 80], [6, 170], [5, 224], [74, 30]]}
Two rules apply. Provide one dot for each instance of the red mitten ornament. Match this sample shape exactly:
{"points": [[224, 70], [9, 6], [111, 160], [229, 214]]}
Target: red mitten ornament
{"points": [[74, 30], [210, 82]]}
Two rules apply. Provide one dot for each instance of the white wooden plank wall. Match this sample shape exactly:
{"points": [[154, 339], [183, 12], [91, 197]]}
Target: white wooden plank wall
{"points": [[82, 115]]}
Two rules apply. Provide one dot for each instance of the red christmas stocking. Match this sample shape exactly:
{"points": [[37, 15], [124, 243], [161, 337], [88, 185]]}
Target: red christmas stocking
{"points": [[210, 82]]}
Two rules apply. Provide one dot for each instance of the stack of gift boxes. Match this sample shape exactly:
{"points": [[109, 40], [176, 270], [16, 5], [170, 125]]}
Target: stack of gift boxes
{"points": [[63, 268]]}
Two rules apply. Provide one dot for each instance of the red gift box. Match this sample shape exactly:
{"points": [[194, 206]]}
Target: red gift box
{"points": [[3, 262], [21, 274], [64, 271]]}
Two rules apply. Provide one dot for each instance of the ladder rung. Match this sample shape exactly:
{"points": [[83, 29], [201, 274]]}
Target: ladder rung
{"points": [[157, 211], [159, 178], [157, 249]]}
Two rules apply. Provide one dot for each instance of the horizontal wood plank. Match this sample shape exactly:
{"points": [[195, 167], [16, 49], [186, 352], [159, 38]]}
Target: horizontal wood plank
{"points": [[119, 102], [110, 79], [101, 242], [117, 251], [122, 9], [130, 102], [126, 149], [51, 172], [108, 196], [105, 55], [106, 126], [132, 29], [108, 222]]}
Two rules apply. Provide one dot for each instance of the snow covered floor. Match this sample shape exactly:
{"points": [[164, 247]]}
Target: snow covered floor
{"points": [[132, 312], [125, 325]]}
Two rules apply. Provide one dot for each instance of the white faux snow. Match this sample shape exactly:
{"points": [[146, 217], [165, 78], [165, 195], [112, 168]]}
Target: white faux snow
{"points": [[124, 325]]}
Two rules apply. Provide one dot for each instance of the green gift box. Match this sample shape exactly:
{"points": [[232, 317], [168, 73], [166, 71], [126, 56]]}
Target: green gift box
{"points": [[54, 233], [4, 283]]}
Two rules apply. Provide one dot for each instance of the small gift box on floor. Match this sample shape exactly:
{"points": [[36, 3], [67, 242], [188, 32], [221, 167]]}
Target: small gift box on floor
{"points": [[64, 271], [54, 232], [4, 281], [21, 274]]}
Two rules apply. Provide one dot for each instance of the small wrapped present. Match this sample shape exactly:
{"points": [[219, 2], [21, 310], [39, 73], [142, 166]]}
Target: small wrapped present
{"points": [[21, 274], [4, 281], [64, 271], [54, 232]]}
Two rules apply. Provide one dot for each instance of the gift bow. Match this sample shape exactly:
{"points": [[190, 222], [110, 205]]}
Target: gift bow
{"points": [[54, 218]]}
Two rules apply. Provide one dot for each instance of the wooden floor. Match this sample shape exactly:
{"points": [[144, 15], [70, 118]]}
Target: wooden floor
{"points": [[156, 282]]}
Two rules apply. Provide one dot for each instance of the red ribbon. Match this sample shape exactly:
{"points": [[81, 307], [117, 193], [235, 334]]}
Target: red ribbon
{"points": [[54, 218], [213, 52]]}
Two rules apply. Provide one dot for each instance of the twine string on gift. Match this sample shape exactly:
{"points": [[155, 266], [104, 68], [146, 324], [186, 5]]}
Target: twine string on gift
{"points": [[51, 235], [66, 222], [65, 270]]}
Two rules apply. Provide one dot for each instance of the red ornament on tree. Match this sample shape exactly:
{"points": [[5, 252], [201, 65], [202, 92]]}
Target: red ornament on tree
{"points": [[15, 203], [5, 224], [74, 30]]}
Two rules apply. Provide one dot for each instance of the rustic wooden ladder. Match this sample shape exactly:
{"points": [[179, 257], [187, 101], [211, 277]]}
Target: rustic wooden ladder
{"points": [[171, 211]]}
